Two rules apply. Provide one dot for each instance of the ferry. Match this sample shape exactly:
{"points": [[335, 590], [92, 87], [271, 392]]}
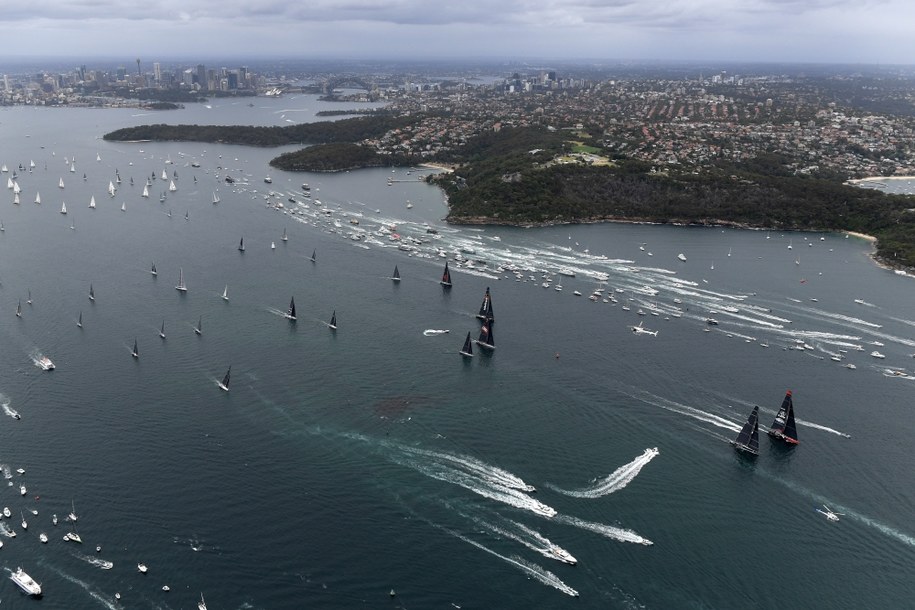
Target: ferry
{"points": [[26, 582]]}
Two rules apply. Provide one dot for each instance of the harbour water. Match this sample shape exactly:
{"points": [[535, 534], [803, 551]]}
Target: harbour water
{"points": [[344, 465]]}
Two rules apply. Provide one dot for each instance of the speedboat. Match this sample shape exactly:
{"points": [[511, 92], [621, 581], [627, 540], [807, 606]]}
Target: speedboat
{"points": [[43, 537], [561, 554], [54, 518], [45, 363], [22, 490], [26, 582], [6, 512], [877, 354], [142, 567]]}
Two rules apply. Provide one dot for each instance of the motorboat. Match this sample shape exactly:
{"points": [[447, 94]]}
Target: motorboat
{"points": [[45, 363], [142, 567], [26, 582]]}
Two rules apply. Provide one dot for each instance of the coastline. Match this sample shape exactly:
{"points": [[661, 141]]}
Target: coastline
{"points": [[855, 181]]}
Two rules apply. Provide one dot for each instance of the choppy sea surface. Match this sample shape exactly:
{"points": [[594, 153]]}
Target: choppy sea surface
{"points": [[344, 466]]}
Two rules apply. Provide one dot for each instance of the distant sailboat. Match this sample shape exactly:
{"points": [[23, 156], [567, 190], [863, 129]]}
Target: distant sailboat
{"points": [[290, 313], [79, 322], [181, 287], [313, 256], [784, 427], [215, 197], [63, 208], [29, 299], [16, 199], [748, 439], [145, 191], [241, 245], [91, 293], [38, 198], [396, 275], [224, 384], [446, 277], [333, 321], [135, 353], [486, 341], [198, 330], [123, 206], [19, 309], [273, 245], [92, 202], [153, 270], [486, 308], [60, 183], [171, 187], [284, 238], [467, 350], [162, 330], [225, 293], [164, 175]]}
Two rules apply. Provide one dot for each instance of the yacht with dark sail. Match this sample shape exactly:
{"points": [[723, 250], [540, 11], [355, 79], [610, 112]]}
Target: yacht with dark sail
{"points": [[135, 353], [198, 330], [748, 439], [467, 350], [333, 321], [91, 293], [224, 384], [162, 330], [784, 427], [396, 275], [153, 270], [79, 322], [313, 256], [446, 277], [486, 307], [486, 341], [290, 313], [241, 245]]}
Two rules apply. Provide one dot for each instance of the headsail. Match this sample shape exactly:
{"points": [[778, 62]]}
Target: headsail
{"points": [[748, 439], [784, 426]]}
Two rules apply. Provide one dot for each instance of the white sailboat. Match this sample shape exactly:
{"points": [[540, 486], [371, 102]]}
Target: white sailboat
{"points": [[92, 202], [37, 197], [181, 287], [111, 189], [16, 188], [215, 197], [63, 208], [16, 199], [124, 206], [145, 191], [171, 187], [284, 238], [225, 293], [60, 183], [73, 168]]}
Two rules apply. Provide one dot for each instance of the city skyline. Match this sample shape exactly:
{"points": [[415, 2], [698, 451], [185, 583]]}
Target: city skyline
{"points": [[818, 31]]}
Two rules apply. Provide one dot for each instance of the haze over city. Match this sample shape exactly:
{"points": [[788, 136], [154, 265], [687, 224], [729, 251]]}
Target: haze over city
{"points": [[821, 31]]}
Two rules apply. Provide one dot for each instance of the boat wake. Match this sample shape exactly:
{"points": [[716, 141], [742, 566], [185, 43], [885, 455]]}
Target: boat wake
{"points": [[617, 480], [7, 472], [7, 409], [106, 602], [531, 569], [614, 533], [431, 332], [5, 530], [676, 407], [95, 561]]}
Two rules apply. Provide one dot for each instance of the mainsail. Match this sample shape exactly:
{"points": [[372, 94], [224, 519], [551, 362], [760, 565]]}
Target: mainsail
{"points": [[446, 277], [748, 439], [784, 426]]}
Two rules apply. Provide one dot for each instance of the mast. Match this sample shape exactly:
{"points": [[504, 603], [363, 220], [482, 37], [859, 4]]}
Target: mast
{"points": [[467, 350], [486, 306], [446, 277]]}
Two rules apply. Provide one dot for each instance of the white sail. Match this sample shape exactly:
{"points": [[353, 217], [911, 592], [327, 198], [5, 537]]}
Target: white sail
{"points": [[72, 167], [37, 197], [16, 188], [16, 199], [164, 175], [172, 187], [111, 188], [63, 208], [61, 183], [215, 197], [145, 191], [92, 202]]}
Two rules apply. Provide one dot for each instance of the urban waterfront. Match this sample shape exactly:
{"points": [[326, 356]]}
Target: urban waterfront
{"points": [[344, 465]]}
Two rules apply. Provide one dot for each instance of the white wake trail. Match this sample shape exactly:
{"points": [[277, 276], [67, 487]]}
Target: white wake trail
{"points": [[614, 533], [617, 480]]}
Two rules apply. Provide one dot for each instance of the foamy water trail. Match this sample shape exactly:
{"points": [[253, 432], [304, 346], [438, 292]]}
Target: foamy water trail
{"points": [[524, 535], [675, 407], [823, 428], [614, 533], [617, 480], [106, 602], [95, 561], [7, 409], [493, 474], [533, 570], [7, 472], [443, 472]]}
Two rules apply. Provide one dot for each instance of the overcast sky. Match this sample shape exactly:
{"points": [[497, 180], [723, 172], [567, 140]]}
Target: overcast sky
{"points": [[830, 31]]}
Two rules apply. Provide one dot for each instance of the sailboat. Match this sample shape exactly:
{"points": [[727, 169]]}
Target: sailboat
{"points": [[135, 353], [290, 313], [153, 270], [92, 202], [73, 168], [313, 256], [241, 245], [225, 293], [215, 197], [123, 206], [224, 384], [164, 175], [29, 299], [145, 192], [60, 183], [37, 197], [91, 293], [162, 330], [198, 330], [748, 439], [79, 323], [486, 307], [284, 238], [486, 341], [171, 186], [72, 516], [16, 199], [333, 321], [181, 287], [19, 309], [467, 350], [784, 427], [111, 189], [396, 275], [63, 208], [446, 277]]}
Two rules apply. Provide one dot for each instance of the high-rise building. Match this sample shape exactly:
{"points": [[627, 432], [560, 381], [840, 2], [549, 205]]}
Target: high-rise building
{"points": [[157, 72], [202, 77]]}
